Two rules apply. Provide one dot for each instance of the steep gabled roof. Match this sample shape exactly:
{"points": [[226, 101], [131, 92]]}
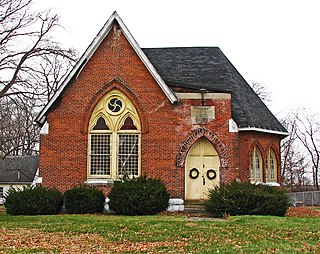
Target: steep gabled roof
{"points": [[114, 18], [20, 169], [192, 68], [208, 68]]}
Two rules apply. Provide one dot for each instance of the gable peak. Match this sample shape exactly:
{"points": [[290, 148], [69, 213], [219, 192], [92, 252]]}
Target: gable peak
{"points": [[74, 73]]}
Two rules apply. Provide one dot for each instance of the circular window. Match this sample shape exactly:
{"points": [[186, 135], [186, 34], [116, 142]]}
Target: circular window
{"points": [[115, 105]]}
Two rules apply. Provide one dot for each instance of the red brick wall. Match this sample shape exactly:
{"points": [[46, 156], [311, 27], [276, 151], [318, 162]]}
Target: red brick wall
{"points": [[264, 141], [165, 127]]}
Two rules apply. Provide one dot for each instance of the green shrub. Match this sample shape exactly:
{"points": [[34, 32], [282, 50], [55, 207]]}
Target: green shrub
{"points": [[84, 199], [33, 201], [138, 196], [247, 199]]}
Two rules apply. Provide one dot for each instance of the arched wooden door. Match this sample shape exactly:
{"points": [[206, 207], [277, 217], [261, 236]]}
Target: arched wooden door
{"points": [[202, 170]]}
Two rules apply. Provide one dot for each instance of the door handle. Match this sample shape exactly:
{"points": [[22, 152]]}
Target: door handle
{"points": [[203, 180]]}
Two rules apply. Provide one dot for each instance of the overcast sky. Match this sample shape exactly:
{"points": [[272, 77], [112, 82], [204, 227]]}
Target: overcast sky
{"points": [[273, 42]]}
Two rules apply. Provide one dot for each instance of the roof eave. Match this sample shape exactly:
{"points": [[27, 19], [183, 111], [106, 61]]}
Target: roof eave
{"points": [[282, 133], [40, 119]]}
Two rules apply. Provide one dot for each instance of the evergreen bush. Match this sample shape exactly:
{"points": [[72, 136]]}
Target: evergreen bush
{"points": [[138, 196], [245, 198], [84, 199], [33, 201]]}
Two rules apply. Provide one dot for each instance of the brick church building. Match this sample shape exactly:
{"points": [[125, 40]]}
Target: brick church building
{"points": [[184, 115]]}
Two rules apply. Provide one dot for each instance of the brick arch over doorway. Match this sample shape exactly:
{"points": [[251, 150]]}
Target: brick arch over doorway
{"points": [[215, 141]]}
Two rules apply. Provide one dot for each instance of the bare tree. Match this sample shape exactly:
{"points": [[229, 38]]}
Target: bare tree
{"points": [[294, 166], [49, 73], [296, 174], [287, 145], [262, 91], [25, 42], [18, 135], [309, 135], [32, 65]]}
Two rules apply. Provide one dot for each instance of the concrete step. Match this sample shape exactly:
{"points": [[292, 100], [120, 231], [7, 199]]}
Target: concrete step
{"points": [[195, 207]]}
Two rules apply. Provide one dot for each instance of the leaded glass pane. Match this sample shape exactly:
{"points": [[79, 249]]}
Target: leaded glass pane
{"points": [[101, 125], [251, 167], [100, 154], [128, 124], [128, 154], [257, 166], [267, 169], [272, 167]]}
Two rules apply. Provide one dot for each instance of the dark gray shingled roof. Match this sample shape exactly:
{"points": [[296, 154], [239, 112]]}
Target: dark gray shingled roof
{"points": [[208, 68], [18, 169]]}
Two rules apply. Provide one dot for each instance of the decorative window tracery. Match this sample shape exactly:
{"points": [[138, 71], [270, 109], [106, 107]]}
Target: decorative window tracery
{"points": [[100, 125], [114, 138], [128, 124]]}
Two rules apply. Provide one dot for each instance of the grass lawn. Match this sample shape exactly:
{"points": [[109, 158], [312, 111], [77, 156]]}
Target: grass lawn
{"points": [[157, 234]]}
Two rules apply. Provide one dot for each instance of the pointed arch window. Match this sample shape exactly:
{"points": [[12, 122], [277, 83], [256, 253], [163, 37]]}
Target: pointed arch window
{"points": [[256, 165], [271, 166], [114, 138]]}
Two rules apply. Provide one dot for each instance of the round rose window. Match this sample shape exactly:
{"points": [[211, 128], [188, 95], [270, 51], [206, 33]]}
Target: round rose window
{"points": [[115, 105]]}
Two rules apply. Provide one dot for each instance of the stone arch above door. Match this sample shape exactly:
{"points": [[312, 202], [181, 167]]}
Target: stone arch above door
{"points": [[215, 141]]}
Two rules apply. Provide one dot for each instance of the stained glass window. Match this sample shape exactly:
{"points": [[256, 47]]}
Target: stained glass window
{"points": [[256, 165], [128, 158], [271, 167], [100, 154], [114, 138], [128, 124], [101, 125]]}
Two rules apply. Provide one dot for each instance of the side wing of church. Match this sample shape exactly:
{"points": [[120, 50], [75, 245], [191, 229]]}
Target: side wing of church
{"points": [[184, 115]]}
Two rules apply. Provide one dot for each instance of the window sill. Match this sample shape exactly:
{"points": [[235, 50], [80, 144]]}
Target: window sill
{"points": [[267, 183], [272, 184], [97, 181]]}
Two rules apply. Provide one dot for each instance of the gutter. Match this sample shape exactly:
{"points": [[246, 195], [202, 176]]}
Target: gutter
{"points": [[264, 131]]}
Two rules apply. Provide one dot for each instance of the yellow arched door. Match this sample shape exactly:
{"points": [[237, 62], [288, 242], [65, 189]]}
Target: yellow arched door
{"points": [[202, 170]]}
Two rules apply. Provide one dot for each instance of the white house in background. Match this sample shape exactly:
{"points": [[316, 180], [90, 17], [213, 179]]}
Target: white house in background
{"points": [[18, 172]]}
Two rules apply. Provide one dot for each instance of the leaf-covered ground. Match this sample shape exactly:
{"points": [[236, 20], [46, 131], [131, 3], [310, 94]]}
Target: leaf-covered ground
{"points": [[36, 241], [303, 212], [298, 232]]}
